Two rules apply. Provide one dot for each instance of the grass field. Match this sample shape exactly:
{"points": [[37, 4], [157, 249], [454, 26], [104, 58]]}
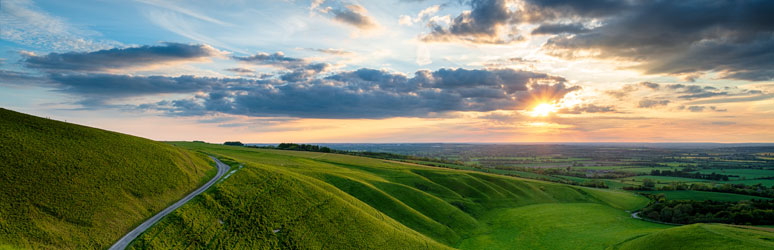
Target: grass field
{"points": [[766, 182], [661, 179], [291, 199], [702, 236], [558, 226], [701, 195], [742, 172], [64, 186]]}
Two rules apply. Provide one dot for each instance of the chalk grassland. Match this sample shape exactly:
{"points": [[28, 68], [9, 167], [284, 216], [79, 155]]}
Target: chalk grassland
{"points": [[65, 186], [290, 199]]}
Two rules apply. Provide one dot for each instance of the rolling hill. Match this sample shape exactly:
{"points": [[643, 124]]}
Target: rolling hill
{"points": [[65, 186], [291, 199]]}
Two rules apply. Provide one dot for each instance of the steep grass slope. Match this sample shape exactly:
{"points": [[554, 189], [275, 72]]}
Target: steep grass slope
{"points": [[287, 199], [65, 186]]}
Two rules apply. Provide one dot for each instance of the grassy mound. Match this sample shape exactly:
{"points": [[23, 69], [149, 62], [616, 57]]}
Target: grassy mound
{"points": [[65, 186], [289, 199], [702, 236]]}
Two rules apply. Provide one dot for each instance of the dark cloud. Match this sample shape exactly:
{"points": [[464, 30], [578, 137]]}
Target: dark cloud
{"points": [[650, 103], [277, 59], [699, 108], [483, 24], [696, 92], [494, 21], [734, 38], [368, 93], [354, 15], [10, 77], [684, 38], [119, 58], [718, 109], [552, 29], [695, 108], [543, 10], [650, 85], [298, 69], [241, 70], [117, 86]]}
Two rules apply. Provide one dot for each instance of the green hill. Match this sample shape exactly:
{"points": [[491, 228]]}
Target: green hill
{"points": [[291, 199], [65, 186], [703, 236]]}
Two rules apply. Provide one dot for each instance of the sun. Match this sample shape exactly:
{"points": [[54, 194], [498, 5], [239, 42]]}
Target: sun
{"points": [[544, 109]]}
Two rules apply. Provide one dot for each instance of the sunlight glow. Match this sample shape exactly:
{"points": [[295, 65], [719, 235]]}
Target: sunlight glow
{"points": [[544, 109]]}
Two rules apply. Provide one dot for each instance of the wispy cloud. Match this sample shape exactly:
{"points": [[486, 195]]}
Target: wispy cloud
{"points": [[24, 23], [173, 7]]}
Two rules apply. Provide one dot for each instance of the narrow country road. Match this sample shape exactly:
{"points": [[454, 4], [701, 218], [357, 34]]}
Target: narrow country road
{"points": [[129, 237]]}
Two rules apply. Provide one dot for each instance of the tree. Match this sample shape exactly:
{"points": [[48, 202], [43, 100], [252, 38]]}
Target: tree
{"points": [[648, 183], [233, 143]]}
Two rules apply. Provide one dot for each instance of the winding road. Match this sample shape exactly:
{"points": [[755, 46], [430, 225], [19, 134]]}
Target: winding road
{"points": [[129, 237]]}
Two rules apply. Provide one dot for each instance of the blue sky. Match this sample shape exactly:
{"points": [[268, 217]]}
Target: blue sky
{"points": [[396, 71]]}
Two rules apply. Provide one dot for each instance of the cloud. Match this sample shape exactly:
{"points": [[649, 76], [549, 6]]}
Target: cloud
{"points": [[649, 103], [625, 91], [696, 109], [185, 11], [697, 94], [109, 86], [354, 15], [120, 58], [421, 16], [351, 14], [734, 39], [298, 69], [588, 108], [11, 77], [552, 29], [488, 21], [278, 59], [753, 98], [650, 85], [683, 38], [330, 51], [241, 70], [24, 23], [363, 93]]}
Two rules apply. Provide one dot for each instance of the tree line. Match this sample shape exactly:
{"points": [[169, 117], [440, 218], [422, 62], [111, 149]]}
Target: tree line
{"points": [[735, 188], [752, 212], [686, 173]]}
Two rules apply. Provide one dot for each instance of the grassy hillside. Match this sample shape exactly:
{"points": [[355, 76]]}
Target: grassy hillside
{"points": [[702, 236], [290, 199], [65, 186]]}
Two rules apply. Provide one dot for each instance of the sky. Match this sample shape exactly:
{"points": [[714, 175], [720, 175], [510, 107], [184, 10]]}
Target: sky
{"points": [[499, 71]]}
